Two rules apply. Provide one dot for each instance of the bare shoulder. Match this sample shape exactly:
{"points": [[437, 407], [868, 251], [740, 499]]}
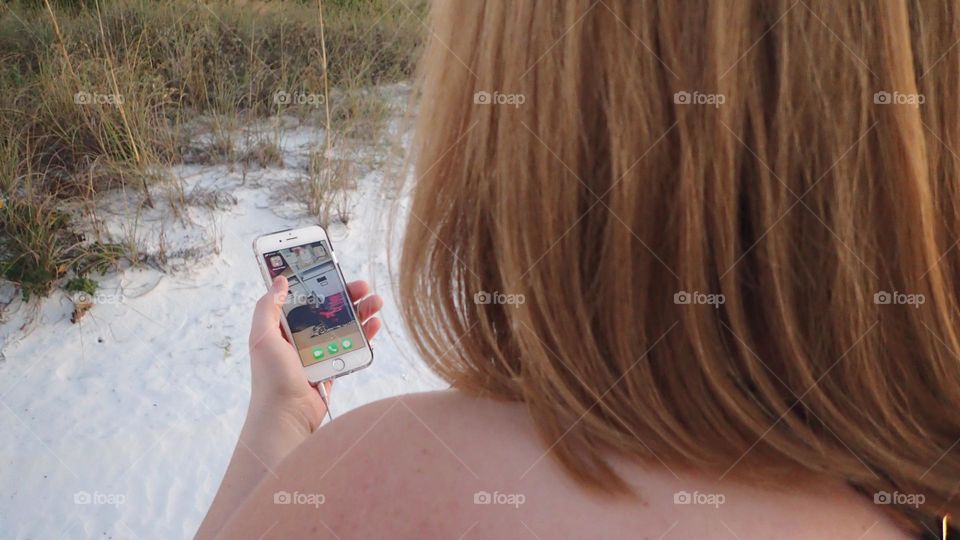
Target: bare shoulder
{"points": [[408, 466], [447, 465]]}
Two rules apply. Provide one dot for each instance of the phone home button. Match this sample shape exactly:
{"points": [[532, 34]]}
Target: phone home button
{"points": [[338, 364]]}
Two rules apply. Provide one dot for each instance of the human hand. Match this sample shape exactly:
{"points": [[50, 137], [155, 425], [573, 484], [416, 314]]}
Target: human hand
{"points": [[280, 387]]}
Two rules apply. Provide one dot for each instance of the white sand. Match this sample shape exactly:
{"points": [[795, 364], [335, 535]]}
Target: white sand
{"points": [[121, 426]]}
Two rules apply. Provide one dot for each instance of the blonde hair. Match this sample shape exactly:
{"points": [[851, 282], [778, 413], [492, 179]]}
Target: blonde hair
{"points": [[729, 231]]}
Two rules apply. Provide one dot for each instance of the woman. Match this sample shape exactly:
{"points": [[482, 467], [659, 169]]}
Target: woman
{"points": [[729, 229]]}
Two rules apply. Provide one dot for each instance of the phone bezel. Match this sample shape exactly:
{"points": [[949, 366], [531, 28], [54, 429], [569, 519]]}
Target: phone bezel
{"points": [[323, 370]]}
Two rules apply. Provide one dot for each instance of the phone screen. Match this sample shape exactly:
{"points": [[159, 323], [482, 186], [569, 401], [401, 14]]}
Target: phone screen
{"points": [[317, 307]]}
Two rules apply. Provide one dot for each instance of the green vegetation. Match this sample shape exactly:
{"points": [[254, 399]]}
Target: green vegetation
{"points": [[81, 285], [96, 96]]}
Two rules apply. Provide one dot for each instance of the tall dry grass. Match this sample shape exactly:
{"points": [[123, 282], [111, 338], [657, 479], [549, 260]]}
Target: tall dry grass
{"points": [[96, 96]]}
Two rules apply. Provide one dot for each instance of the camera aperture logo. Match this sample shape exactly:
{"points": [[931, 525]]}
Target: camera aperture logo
{"points": [[704, 499], [506, 499], [98, 498], [483, 97], [699, 98], [897, 98], [699, 298], [898, 298], [901, 499], [309, 499], [496, 297]]}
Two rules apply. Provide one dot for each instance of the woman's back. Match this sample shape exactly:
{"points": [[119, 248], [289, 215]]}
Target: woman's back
{"points": [[445, 465]]}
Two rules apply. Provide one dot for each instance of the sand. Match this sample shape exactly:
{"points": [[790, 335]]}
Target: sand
{"points": [[121, 426]]}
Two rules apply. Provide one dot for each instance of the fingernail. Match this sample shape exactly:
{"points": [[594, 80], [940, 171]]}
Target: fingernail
{"points": [[276, 285]]}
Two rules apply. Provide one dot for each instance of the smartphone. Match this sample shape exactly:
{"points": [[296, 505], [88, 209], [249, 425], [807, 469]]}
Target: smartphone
{"points": [[319, 318]]}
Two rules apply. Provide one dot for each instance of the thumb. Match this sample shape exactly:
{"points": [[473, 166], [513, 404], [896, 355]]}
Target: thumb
{"points": [[266, 315]]}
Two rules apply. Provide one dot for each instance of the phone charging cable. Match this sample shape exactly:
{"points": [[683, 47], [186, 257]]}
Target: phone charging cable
{"points": [[326, 398]]}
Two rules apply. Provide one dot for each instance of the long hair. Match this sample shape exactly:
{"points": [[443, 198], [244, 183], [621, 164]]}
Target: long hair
{"points": [[720, 236]]}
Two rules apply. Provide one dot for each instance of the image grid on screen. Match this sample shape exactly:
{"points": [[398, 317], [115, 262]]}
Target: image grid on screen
{"points": [[317, 307]]}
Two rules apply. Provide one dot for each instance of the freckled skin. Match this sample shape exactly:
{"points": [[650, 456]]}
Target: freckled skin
{"points": [[389, 473]]}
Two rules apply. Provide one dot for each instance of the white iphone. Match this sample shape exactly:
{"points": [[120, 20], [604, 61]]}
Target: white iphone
{"points": [[319, 318]]}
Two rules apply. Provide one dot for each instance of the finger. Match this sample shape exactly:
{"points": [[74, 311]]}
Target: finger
{"points": [[266, 314], [283, 334], [358, 289], [368, 307], [371, 327]]}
